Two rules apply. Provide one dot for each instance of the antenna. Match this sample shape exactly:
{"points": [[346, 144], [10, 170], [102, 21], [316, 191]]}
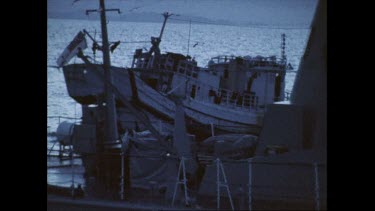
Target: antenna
{"points": [[111, 124], [189, 37], [283, 57], [155, 41], [166, 16], [93, 47]]}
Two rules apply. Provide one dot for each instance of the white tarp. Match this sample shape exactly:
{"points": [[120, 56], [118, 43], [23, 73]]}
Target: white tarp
{"points": [[71, 50]]}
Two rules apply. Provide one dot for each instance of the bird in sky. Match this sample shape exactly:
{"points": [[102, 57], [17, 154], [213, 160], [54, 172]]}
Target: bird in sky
{"points": [[135, 8], [74, 1]]}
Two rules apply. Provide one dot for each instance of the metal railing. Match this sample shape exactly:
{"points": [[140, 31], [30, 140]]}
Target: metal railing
{"points": [[222, 59], [233, 99], [62, 117], [224, 97], [223, 181], [315, 178], [252, 61]]}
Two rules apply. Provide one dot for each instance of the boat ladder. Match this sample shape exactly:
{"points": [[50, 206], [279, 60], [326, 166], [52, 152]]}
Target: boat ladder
{"points": [[224, 183], [181, 182]]}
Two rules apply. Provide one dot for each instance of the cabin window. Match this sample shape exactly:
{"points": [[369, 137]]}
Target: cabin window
{"points": [[226, 73]]}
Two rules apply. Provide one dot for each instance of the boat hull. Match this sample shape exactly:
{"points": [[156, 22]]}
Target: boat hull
{"points": [[86, 87]]}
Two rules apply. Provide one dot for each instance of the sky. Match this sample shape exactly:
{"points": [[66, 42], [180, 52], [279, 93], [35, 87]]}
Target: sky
{"points": [[283, 13]]}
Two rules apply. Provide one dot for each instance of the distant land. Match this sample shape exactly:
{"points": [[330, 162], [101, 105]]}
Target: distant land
{"points": [[275, 13]]}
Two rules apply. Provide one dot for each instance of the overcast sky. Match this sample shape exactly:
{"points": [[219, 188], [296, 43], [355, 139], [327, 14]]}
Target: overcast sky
{"points": [[292, 13]]}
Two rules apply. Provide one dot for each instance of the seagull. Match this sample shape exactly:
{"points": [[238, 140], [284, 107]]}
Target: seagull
{"points": [[134, 8], [74, 1]]}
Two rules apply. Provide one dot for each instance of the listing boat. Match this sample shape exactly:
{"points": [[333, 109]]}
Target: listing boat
{"points": [[229, 94]]}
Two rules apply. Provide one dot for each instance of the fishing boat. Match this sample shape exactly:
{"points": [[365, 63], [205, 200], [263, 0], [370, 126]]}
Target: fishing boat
{"points": [[229, 94]]}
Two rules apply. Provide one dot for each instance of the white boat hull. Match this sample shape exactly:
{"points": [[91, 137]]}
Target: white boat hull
{"points": [[225, 118]]}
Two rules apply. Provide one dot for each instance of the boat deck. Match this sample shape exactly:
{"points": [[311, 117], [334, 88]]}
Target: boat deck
{"points": [[55, 202]]}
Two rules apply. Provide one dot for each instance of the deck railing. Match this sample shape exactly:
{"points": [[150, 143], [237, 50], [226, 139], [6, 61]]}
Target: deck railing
{"points": [[253, 61], [224, 180], [59, 118], [224, 97]]}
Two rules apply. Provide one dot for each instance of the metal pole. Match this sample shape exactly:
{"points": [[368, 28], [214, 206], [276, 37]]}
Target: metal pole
{"points": [[184, 178], [75, 112], [266, 89], [166, 16], [283, 57], [111, 124], [227, 186], [122, 173], [160, 126], [177, 183], [212, 130], [317, 194], [250, 186], [189, 37], [60, 151], [217, 184], [72, 166]]}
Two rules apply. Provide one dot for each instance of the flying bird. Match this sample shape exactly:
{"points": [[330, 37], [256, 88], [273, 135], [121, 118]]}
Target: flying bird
{"points": [[195, 44], [135, 8], [74, 1]]}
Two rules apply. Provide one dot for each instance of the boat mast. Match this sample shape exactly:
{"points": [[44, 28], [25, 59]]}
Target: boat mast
{"points": [[155, 41], [166, 16], [111, 123]]}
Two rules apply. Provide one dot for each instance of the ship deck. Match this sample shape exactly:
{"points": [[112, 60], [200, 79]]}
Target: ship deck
{"points": [[56, 202]]}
